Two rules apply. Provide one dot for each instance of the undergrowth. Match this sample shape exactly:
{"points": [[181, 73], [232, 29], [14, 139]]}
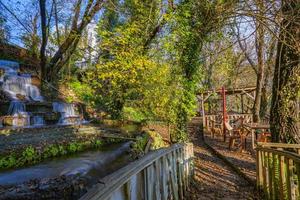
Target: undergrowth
{"points": [[31, 155]]}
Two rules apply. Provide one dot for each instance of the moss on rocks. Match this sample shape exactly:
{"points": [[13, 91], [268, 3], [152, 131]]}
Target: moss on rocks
{"points": [[32, 155]]}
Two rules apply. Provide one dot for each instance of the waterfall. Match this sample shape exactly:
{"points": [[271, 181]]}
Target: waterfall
{"points": [[9, 67], [38, 120], [20, 116], [21, 85], [67, 112], [19, 88], [16, 107], [18, 85]]}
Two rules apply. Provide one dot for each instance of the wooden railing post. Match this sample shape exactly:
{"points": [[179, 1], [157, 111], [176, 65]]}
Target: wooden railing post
{"points": [[161, 174], [278, 171], [259, 169]]}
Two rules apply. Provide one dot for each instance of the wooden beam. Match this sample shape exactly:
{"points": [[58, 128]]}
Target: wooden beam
{"points": [[242, 102], [203, 111], [249, 95]]}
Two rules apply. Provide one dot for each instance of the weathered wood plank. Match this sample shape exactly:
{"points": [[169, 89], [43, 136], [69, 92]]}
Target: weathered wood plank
{"points": [[116, 180], [270, 174]]}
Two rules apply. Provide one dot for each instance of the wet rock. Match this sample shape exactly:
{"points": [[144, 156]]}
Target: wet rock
{"points": [[63, 187], [21, 97]]}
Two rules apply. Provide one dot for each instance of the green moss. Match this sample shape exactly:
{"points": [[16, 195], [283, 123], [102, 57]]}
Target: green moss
{"points": [[31, 155], [141, 143], [157, 140]]}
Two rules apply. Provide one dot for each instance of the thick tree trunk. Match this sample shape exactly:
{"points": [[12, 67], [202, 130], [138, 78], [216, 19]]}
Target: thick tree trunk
{"points": [[44, 39], [284, 114], [68, 47]]}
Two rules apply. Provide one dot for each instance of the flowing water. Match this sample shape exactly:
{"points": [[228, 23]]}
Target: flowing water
{"points": [[18, 85], [19, 88], [67, 112], [17, 110], [38, 120], [93, 163]]}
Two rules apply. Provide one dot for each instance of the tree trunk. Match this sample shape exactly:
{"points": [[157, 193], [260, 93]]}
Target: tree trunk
{"points": [[44, 39], [68, 47], [286, 83], [56, 22], [260, 63], [264, 105]]}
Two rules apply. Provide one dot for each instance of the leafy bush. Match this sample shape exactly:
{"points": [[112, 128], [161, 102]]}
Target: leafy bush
{"points": [[133, 114]]}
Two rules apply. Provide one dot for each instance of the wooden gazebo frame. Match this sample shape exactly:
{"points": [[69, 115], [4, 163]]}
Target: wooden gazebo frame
{"points": [[249, 92]]}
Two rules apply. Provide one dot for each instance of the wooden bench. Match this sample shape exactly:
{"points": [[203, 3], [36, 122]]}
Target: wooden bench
{"points": [[216, 131], [236, 132]]}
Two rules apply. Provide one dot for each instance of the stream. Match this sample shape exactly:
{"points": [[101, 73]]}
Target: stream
{"points": [[93, 164]]}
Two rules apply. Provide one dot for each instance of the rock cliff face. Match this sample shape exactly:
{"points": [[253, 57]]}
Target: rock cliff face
{"points": [[28, 63]]}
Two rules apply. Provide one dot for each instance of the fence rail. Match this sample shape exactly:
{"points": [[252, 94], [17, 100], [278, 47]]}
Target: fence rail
{"points": [[278, 170], [216, 120], [163, 174]]}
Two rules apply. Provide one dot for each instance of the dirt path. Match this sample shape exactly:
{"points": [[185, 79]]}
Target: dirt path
{"points": [[213, 179], [245, 161]]}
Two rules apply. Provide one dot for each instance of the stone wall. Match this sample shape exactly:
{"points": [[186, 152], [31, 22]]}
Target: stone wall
{"points": [[28, 63], [18, 139]]}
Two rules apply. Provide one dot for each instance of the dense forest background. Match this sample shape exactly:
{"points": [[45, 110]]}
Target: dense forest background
{"points": [[145, 60]]}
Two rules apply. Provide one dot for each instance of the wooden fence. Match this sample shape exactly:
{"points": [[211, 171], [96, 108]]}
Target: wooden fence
{"points": [[160, 175], [278, 170], [216, 120]]}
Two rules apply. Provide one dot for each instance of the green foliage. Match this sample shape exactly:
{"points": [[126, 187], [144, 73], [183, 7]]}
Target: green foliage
{"points": [[140, 143], [128, 83], [98, 143], [8, 161], [3, 29], [157, 140], [31, 156], [133, 114], [150, 63]]}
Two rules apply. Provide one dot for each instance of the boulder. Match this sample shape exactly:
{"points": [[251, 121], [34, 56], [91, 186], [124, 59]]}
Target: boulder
{"points": [[21, 97], [35, 81]]}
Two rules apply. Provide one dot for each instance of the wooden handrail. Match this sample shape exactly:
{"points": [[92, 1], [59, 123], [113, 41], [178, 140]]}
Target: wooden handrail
{"points": [[278, 171], [288, 154], [279, 145], [153, 170]]}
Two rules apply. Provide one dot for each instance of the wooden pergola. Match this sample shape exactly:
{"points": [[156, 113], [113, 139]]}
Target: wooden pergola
{"points": [[248, 92]]}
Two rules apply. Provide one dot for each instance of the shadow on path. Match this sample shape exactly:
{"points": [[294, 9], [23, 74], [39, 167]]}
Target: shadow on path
{"points": [[213, 179]]}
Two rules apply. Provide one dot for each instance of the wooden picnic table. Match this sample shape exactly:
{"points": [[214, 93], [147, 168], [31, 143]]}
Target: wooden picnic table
{"points": [[254, 127]]}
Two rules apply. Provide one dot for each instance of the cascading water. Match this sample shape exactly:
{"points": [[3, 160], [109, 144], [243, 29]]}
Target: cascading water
{"points": [[9, 68], [38, 120], [18, 85], [67, 112], [19, 88], [20, 116]]}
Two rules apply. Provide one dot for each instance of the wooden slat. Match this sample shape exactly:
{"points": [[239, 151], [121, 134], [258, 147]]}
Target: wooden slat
{"points": [[288, 175], [298, 180], [259, 173], [275, 175], [278, 172], [270, 174], [288, 154], [116, 180], [265, 187], [282, 182]]}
